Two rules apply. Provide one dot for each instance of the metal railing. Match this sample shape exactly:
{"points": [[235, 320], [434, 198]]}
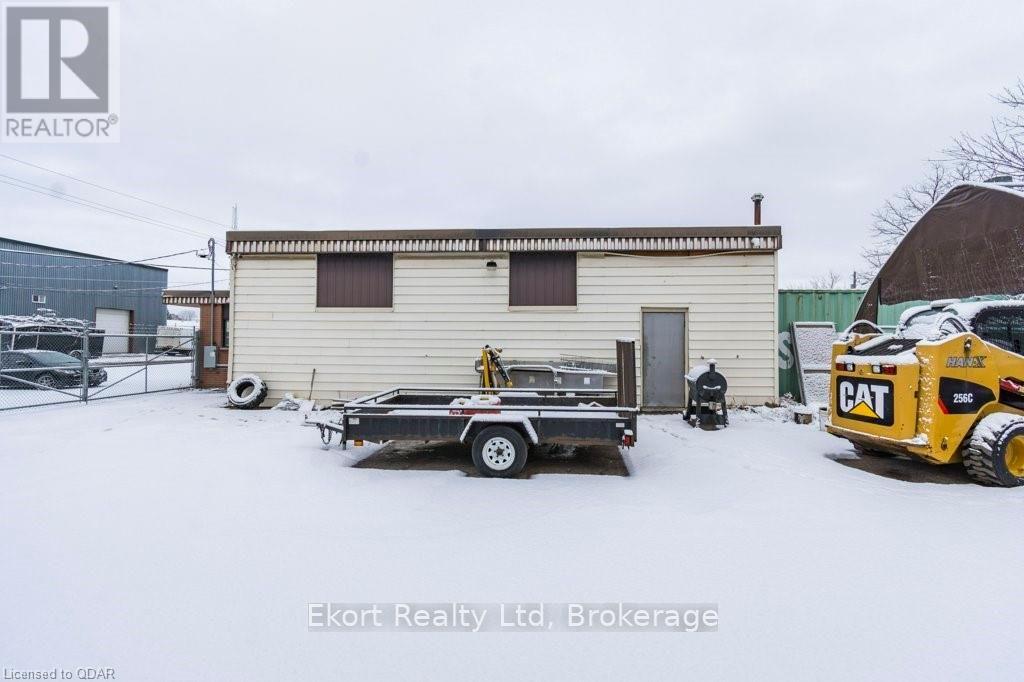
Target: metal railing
{"points": [[40, 368]]}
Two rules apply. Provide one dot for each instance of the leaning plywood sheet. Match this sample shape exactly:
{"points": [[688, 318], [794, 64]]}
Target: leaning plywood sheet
{"points": [[812, 345]]}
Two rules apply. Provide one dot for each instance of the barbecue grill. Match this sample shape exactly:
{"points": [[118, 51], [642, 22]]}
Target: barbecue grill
{"points": [[706, 407]]}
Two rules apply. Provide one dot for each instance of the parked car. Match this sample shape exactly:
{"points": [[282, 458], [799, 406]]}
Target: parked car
{"points": [[47, 368], [54, 336]]}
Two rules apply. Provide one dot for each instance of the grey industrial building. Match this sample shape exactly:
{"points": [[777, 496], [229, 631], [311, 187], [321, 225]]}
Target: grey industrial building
{"points": [[118, 297]]}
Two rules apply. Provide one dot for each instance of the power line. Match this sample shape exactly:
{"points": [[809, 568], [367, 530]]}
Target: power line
{"points": [[104, 291], [78, 267], [193, 267], [85, 278], [114, 191], [114, 294], [105, 208], [102, 262]]}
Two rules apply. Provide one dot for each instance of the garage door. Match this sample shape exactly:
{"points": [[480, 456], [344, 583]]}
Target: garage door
{"points": [[113, 322]]}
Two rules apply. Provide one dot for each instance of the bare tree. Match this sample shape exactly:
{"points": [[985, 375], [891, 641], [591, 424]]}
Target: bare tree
{"points": [[830, 280], [1000, 151], [899, 213]]}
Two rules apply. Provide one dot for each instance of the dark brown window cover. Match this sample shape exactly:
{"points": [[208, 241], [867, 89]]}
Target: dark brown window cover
{"points": [[542, 279], [354, 280]]}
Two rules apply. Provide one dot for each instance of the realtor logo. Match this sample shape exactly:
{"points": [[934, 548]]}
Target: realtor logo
{"points": [[868, 400], [61, 71]]}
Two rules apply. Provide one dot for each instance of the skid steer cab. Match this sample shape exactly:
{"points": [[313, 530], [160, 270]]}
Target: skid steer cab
{"points": [[948, 391]]}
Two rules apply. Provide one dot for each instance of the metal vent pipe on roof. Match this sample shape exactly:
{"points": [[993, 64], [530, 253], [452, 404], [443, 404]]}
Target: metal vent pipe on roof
{"points": [[757, 199]]}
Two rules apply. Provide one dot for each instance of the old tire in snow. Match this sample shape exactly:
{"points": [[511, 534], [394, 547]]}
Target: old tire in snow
{"points": [[499, 452], [995, 453], [247, 392]]}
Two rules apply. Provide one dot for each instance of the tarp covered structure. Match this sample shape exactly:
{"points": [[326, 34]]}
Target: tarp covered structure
{"points": [[970, 243]]}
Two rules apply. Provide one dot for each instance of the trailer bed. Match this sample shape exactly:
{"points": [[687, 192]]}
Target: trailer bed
{"points": [[559, 416], [500, 433]]}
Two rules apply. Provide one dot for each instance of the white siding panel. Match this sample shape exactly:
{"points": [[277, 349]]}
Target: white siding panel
{"points": [[447, 306]]}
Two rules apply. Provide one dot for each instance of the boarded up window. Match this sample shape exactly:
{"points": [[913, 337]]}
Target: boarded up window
{"points": [[542, 279], [354, 280]]}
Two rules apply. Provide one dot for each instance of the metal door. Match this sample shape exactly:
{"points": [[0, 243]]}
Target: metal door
{"points": [[664, 339], [114, 324]]}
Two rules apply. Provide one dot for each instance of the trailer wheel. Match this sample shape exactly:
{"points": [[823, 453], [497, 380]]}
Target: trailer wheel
{"points": [[995, 453], [499, 452], [247, 392]]}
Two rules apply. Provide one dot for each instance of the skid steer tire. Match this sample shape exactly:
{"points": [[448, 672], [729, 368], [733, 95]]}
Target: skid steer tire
{"points": [[991, 456], [869, 452], [499, 452]]}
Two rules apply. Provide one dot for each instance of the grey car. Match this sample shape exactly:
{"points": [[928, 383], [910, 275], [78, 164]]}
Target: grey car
{"points": [[46, 368]]}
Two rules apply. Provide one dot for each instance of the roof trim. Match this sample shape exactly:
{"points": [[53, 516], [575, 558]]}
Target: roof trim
{"points": [[748, 238], [194, 296], [505, 233]]}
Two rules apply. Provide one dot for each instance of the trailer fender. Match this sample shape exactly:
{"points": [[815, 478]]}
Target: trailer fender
{"points": [[520, 421]]}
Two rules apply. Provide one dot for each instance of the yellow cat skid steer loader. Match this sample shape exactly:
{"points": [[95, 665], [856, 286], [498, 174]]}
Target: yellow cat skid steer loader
{"points": [[954, 393]]}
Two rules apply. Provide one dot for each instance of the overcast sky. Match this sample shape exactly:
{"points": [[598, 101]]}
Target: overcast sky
{"points": [[528, 114]]}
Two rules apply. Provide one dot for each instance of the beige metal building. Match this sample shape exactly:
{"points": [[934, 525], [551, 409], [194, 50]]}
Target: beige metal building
{"points": [[371, 310]]}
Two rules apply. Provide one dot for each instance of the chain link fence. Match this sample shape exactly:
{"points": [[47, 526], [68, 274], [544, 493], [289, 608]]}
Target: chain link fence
{"points": [[51, 367]]}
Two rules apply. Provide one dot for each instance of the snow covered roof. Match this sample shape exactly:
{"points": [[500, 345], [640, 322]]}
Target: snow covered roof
{"points": [[989, 185]]}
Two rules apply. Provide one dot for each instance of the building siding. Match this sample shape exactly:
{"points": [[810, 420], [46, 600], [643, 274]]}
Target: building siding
{"points": [[447, 306], [75, 285]]}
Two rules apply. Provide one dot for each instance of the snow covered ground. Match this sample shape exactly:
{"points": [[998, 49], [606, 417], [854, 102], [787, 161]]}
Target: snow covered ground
{"points": [[173, 539]]}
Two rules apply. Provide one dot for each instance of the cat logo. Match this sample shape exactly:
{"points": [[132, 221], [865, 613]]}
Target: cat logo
{"points": [[867, 400]]}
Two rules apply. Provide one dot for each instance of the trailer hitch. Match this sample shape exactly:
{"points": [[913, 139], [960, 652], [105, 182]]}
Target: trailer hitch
{"points": [[327, 432]]}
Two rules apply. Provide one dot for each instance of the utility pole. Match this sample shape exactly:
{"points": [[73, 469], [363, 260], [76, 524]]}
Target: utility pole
{"points": [[211, 245]]}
